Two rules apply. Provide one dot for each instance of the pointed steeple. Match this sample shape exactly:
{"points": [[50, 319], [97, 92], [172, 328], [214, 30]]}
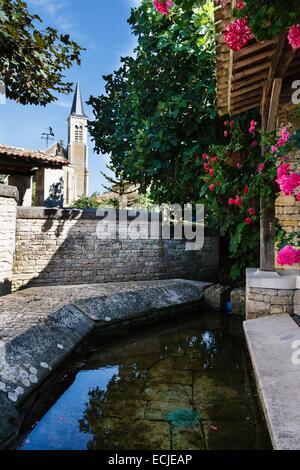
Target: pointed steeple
{"points": [[77, 106]]}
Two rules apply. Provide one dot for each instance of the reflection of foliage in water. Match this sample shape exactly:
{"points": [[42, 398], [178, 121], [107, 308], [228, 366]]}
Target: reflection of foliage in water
{"points": [[112, 429]]}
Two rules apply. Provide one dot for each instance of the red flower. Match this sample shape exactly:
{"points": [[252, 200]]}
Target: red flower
{"points": [[261, 167], [211, 172], [294, 36], [298, 197], [226, 123], [163, 6], [246, 189], [254, 144], [252, 127], [240, 5], [231, 202], [232, 123], [248, 221], [238, 34], [205, 156], [212, 187], [251, 211], [238, 201], [218, 184]]}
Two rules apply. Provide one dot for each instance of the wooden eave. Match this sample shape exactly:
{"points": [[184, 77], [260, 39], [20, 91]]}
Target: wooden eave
{"points": [[245, 78]]}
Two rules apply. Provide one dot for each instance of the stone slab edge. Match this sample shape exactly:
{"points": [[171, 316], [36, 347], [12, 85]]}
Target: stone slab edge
{"points": [[9, 192], [269, 341], [31, 357]]}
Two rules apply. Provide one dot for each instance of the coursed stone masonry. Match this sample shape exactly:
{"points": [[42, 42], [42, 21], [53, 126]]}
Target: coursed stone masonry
{"points": [[272, 293], [57, 247], [8, 208]]}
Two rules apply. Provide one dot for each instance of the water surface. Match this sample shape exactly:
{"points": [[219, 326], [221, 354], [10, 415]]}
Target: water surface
{"points": [[184, 385]]}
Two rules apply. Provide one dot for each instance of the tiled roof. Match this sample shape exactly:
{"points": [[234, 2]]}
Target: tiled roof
{"points": [[35, 156]]}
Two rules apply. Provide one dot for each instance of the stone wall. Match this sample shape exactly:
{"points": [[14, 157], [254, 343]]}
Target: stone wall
{"points": [[263, 302], [272, 293], [62, 247], [8, 209]]}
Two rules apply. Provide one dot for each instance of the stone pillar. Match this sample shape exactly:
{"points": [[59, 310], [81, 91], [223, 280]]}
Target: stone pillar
{"points": [[24, 186], [8, 215]]}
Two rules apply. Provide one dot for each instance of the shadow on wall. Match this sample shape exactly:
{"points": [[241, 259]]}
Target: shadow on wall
{"points": [[5, 287], [57, 247]]}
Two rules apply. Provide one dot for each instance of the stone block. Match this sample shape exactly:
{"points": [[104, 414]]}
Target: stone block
{"points": [[256, 308], [215, 297], [238, 300]]}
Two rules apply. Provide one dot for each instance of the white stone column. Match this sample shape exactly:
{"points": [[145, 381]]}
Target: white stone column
{"points": [[8, 216]]}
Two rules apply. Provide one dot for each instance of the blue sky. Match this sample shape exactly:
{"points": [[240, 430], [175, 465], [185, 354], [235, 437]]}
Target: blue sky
{"points": [[101, 27]]}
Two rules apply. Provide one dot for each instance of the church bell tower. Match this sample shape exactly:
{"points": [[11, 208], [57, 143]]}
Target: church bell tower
{"points": [[78, 145]]}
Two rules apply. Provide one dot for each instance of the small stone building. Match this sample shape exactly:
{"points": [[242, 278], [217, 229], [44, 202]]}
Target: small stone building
{"points": [[58, 176]]}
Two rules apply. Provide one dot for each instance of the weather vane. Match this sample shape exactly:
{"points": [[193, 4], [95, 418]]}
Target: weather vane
{"points": [[48, 136]]}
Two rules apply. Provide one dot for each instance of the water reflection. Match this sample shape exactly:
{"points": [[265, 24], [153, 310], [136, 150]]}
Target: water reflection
{"points": [[180, 387]]}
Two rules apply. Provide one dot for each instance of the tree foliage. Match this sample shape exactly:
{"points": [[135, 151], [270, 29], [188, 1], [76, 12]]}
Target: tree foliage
{"points": [[158, 111], [32, 60]]}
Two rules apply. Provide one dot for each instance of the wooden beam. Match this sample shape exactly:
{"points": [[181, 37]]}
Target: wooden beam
{"points": [[255, 47], [253, 59], [274, 104]]}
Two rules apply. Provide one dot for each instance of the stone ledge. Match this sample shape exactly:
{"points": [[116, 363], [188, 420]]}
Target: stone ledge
{"points": [[42, 213], [270, 341], [9, 192], [282, 280], [39, 331]]}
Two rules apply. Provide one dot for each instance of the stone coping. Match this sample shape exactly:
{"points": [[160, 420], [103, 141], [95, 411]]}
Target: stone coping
{"points": [[272, 341], [283, 280], [40, 327], [9, 192]]}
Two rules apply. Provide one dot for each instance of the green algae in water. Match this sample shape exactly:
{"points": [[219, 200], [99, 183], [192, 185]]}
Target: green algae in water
{"points": [[183, 418]]}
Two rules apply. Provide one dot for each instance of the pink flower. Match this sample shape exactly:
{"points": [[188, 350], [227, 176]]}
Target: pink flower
{"points": [[248, 221], [238, 34], [251, 211], [163, 6], [298, 197], [261, 167], [240, 5], [288, 256], [254, 144], [205, 156], [274, 148], [232, 123], [239, 166], [283, 170], [212, 187], [226, 134], [294, 36], [288, 183], [231, 202], [226, 123], [253, 125], [223, 3], [285, 136], [211, 172]]}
